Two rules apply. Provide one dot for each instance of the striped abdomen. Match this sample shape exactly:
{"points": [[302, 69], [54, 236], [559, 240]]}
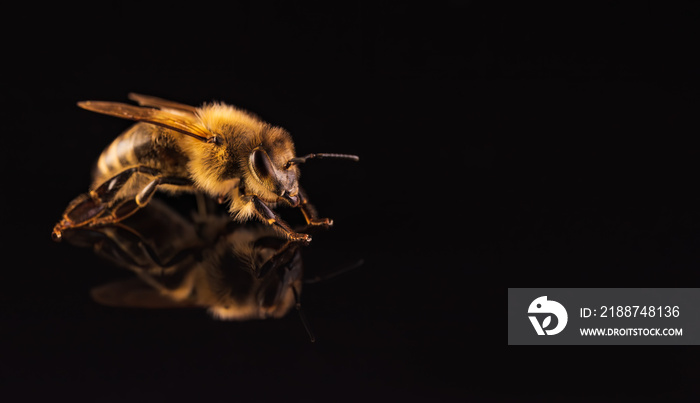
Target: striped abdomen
{"points": [[141, 144]]}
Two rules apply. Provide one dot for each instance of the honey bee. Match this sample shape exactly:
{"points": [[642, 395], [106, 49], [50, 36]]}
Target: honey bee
{"points": [[238, 271], [215, 149]]}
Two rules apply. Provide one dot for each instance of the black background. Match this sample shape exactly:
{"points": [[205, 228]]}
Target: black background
{"points": [[504, 146]]}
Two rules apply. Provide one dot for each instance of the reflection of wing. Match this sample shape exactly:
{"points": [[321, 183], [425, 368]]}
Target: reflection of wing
{"points": [[182, 123], [155, 102], [134, 293]]}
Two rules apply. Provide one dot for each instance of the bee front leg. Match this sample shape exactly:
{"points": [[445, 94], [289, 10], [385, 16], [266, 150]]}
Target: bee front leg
{"points": [[265, 213], [310, 213]]}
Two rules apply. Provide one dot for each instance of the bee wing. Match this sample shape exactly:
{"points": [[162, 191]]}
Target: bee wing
{"points": [[182, 123], [160, 103], [134, 293]]}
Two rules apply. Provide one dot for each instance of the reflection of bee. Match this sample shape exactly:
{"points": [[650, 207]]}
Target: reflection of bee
{"points": [[215, 149], [237, 271]]}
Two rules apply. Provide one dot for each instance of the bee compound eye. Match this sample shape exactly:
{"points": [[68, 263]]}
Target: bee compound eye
{"points": [[261, 163]]}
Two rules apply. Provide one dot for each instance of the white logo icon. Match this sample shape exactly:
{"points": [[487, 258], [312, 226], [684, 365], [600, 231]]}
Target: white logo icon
{"points": [[542, 306]]}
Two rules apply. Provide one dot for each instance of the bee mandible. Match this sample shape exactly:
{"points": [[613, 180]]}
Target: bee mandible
{"points": [[216, 149]]}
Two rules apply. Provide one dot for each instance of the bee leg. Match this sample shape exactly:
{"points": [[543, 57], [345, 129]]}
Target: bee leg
{"points": [[93, 208], [84, 209], [310, 213], [266, 214], [129, 206], [147, 192], [78, 213]]}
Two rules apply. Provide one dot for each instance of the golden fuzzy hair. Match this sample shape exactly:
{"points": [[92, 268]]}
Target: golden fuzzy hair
{"points": [[217, 170]]}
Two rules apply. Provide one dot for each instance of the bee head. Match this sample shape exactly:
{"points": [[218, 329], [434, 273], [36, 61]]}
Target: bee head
{"points": [[277, 171], [273, 179]]}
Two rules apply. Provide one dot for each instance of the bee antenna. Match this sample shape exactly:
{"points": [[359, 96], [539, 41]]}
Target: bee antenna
{"points": [[302, 316], [301, 160]]}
